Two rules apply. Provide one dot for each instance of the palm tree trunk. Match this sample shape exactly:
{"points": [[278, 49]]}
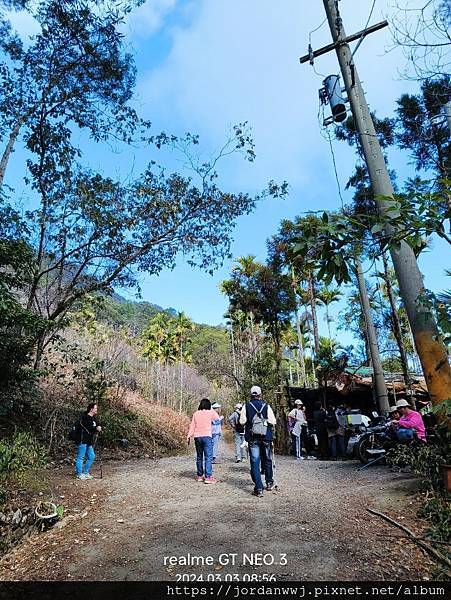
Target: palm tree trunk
{"points": [[8, 150], [311, 289], [397, 332], [328, 320], [235, 374], [300, 345], [181, 376], [379, 381]]}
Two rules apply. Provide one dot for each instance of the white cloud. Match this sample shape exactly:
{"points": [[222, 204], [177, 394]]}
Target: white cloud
{"points": [[239, 60], [146, 20]]}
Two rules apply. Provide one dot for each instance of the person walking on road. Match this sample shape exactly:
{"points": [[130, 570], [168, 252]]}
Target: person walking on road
{"points": [[319, 419], [238, 433], [216, 431], [334, 434], [201, 430], [88, 426], [259, 420], [298, 420]]}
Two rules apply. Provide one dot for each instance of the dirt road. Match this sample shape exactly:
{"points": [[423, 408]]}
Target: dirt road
{"points": [[142, 512]]}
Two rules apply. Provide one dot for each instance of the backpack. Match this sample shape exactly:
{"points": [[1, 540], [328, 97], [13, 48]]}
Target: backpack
{"points": [[332, 421], [259, 426], [235, 422], [74, 431]]}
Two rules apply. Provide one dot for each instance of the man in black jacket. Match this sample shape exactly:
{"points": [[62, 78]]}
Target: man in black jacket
{"points": [[259, 445], [88, 427]]}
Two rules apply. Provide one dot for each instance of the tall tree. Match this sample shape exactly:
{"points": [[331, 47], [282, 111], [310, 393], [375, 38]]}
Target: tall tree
{"points": [[395, 322], [183, 325], [328, 296], [74, 74], [422, 128]]}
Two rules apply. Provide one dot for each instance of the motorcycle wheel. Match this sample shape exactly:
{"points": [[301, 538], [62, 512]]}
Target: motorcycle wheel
{"points": [[360, 449]]}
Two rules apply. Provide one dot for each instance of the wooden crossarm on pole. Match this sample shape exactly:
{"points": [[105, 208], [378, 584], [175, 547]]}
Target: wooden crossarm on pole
{"points": [[350, 38]]}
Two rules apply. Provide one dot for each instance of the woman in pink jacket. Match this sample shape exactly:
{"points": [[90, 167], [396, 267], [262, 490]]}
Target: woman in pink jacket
{"points": [[200, 430]]}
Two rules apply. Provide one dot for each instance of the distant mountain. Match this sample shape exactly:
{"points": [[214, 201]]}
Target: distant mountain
{"points": [[117, 311]]}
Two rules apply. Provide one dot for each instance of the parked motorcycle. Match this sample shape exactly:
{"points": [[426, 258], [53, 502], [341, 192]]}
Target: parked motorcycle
{"points": [[356, 426], [374, 443]]}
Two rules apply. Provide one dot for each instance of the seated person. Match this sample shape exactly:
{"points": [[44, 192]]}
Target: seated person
{"points": [[393, 424], [409, 424]]}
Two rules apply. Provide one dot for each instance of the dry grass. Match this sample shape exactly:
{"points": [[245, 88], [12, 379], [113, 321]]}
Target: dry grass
{"points": [[168, 427]]}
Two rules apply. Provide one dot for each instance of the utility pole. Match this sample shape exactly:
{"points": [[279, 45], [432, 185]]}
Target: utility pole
{"points": [[430, 348], [378, 373]]}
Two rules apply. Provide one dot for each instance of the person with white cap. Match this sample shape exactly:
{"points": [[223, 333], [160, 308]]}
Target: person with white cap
{"points": [[410, 423], [216, 431], [258, 420], [238, 433], [297, 416]]}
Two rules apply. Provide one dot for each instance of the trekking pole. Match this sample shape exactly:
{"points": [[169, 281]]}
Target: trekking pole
{"points": [[276, 487]]}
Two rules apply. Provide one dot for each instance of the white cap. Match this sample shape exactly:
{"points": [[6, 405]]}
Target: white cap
{"points": [[215, 405], [402, 403], [256, 390], [239, 405], [392, 409], [298, 401]]}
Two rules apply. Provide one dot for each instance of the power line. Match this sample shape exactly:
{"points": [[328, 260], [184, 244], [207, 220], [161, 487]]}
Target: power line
{"points": [[335, 168], [315, 30], [366, 25], [371, 14]]}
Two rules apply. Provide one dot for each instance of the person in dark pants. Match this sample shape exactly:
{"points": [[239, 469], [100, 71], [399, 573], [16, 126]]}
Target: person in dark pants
{"points": [[88, 427], [319, 419], [259, 444], [201, 430]]}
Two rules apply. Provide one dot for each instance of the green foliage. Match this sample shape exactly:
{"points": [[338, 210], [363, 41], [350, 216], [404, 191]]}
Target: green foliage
{"points": [[438, 512], [331, 360], [421, 128], [118, 424], [19, 327], [19, 454], [262, 371], [263, 291], [166, 337], [441, 305], [133, 316], [392, 364], [95, 384], [210, 350], [426, 460]]}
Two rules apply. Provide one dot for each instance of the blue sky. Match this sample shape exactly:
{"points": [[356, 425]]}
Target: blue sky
{"points": [[204, 65]]}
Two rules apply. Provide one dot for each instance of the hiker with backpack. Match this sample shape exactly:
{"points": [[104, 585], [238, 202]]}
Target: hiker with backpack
{"points": [[216, 431], [258, 420], [238, 433], [82, 433], [299, 422], [335, 434], [201, 430]]}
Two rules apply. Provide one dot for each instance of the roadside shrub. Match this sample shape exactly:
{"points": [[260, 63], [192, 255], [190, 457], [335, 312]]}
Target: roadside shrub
{"points": [[426, 460], [437, 511], [118, 424], [20, 453]]}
